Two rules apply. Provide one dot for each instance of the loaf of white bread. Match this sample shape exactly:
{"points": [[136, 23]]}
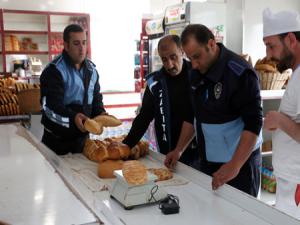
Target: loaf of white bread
{"points": [[96, 125]]}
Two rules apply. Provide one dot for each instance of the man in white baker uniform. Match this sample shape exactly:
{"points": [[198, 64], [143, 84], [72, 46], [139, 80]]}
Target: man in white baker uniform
{"points": [[281, 35]]}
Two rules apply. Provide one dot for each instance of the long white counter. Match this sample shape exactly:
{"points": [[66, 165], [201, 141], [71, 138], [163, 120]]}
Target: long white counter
{"points": [[198, 203], [31, 192]]}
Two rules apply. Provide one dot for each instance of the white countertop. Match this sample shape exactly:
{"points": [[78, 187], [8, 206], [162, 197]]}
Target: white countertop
{"points": [[31, 192], [198, 203]]}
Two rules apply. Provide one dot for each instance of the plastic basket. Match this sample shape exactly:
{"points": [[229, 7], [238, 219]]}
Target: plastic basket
{"points": [[273, 81], [29, 101]]}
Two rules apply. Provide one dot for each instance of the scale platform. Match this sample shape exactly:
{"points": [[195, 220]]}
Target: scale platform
{"points": [[133, 195]]}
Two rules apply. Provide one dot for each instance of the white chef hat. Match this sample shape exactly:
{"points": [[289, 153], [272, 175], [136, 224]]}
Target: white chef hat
{"points": [[279, 23]]}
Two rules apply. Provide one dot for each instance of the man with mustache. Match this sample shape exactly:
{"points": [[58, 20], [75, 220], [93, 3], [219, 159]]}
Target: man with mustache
{"points": [[70, 93], [281, 35], [167, 101]]}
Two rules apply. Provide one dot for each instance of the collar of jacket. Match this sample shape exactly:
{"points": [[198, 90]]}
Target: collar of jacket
{"points": [[69, 61]]}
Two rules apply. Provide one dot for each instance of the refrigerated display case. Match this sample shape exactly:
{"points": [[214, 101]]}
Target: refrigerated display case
{"points": [[141, 59], [210, 14], [155, 30]]}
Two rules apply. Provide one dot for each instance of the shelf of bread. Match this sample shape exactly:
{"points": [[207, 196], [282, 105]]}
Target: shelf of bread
{"points": [[12, 100]]}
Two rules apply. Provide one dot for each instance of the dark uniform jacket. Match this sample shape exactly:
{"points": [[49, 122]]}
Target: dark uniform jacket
{"points": [[65, 91], [226, 101], [167, 101]]}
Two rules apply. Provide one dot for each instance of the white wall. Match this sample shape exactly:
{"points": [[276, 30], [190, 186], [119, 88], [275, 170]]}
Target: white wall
{"points": [[114, 27], [252, 37]]}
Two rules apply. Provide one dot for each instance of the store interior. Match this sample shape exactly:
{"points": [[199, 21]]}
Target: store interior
{"points": [[122, 43]]}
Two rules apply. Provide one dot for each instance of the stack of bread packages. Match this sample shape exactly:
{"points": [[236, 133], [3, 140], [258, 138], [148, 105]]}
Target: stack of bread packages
{"points": [[110, 153], [270, 77]]}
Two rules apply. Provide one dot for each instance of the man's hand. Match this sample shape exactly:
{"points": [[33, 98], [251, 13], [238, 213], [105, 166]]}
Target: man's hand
{"points": [[272, 120], [226, 173], [172, 158], [79, 121]]}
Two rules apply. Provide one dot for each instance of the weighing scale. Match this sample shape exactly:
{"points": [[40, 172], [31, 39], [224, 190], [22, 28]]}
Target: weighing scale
{"points": [[132, 195]]}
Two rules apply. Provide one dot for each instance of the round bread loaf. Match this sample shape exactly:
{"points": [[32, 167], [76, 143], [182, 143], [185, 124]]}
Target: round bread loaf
{"points": [[135, 172], [118, 150], [106, 169]]}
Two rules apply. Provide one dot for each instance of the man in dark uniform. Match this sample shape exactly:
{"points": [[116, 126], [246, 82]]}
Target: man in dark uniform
{"points": [[70, 93], [227, 106], [167, 101]]}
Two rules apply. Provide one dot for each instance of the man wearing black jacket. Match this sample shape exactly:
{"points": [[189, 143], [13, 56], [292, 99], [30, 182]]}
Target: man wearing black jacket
{"points": [[227, 105], [167, 101], [70, 93]]}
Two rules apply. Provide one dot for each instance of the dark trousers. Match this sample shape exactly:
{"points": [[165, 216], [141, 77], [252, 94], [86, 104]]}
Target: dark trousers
{"points": [[61, 146], [248, 179]]}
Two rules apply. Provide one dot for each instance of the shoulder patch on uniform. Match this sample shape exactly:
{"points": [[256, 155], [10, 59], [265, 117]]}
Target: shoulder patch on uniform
{"points": [[237, 68]]}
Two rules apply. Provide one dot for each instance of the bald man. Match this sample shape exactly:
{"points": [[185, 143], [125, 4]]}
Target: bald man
{"points": [[167, 101]]}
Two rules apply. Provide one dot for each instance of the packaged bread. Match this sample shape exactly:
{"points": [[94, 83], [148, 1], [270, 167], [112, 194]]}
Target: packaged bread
{"points": [[134, 172], [108, 120], [106, 169], [93, 127]]}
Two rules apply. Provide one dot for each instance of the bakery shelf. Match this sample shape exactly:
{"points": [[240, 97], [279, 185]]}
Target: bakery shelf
{"points": [[38, 29], [26, 32], [27, 52]]}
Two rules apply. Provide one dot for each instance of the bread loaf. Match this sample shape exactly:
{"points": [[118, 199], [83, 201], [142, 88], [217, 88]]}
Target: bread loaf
{"points": [[94, 151], [139, 150], [107, 120], [266, 65], [161, 173], [106, 169], [93, 127], [134, 172], [100, 151]]}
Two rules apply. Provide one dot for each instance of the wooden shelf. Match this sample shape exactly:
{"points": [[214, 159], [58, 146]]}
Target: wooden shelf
{"points": [[42, 27], [27, 53], [26, 32]]}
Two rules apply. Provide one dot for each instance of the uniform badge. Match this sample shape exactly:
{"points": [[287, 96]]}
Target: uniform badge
{"points": [[218, 90]]}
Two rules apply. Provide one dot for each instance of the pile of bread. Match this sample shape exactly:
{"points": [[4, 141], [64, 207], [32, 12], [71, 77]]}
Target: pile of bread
{"points": [[111, 154], [10, 95], [266, 65], [270, 77]]}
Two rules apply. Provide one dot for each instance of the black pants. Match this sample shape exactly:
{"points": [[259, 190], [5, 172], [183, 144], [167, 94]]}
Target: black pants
{"points": [[248, 179], [62, 146]]}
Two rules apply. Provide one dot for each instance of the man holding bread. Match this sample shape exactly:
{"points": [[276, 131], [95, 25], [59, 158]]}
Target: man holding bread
{"points": [[70, 94], [281, 35], [227, 105], [167, 101]]}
